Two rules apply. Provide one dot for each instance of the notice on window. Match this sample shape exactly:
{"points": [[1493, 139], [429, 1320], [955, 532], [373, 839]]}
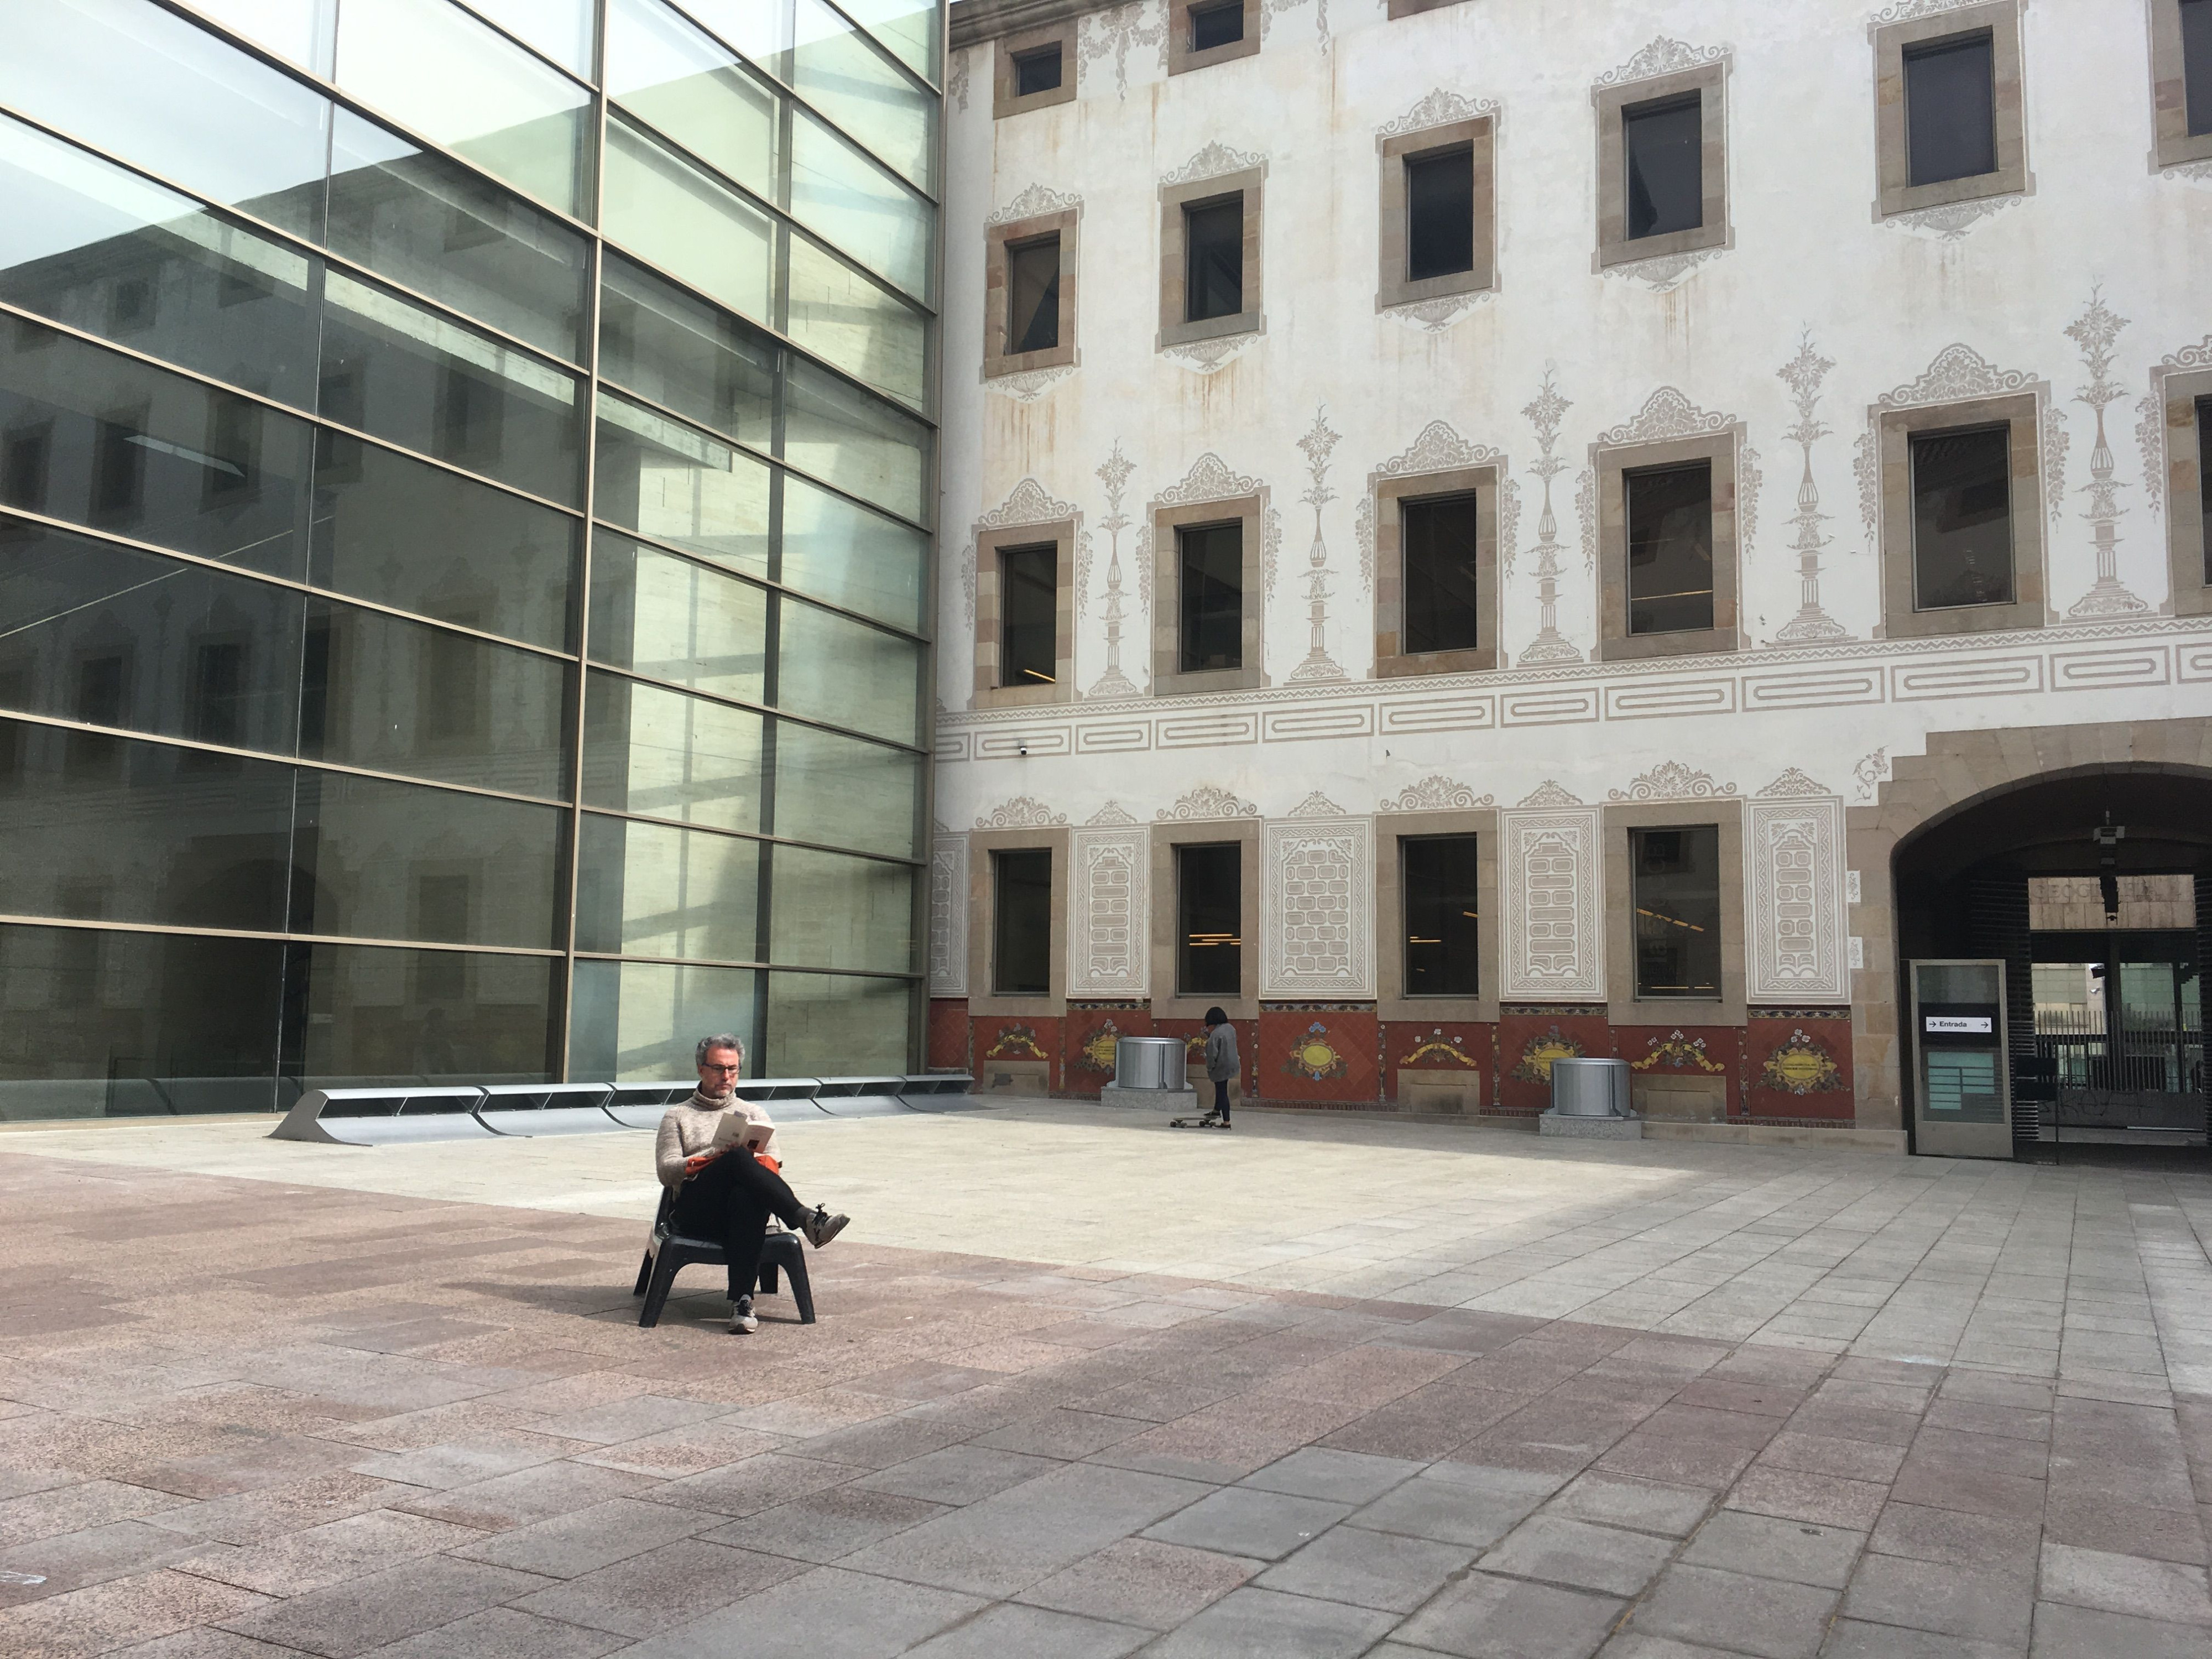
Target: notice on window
{"points": [[1962, 1088], [1959, 1025]]}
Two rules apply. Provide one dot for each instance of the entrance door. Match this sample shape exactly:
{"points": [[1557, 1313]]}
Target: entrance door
{"points": [[2119, 1024]]}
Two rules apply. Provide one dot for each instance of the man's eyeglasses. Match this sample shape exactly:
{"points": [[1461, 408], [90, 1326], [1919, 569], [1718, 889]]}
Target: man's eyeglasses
{"points": [[722, 1068]]}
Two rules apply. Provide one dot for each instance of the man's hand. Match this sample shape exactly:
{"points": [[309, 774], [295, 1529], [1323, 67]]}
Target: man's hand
{"points": [[699, 1161]]}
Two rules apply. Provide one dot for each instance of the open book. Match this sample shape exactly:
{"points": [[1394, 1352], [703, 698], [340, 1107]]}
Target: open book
{"points": [[734, 1130]]}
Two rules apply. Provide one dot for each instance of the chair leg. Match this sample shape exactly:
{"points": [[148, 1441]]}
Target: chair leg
{"points": [[768, 1278], [802, 1292], [644, 1275], [665, 1267]]}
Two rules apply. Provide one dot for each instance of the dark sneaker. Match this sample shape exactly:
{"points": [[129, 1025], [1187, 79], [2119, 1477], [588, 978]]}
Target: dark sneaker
{"points": [[821, 1226], [742, 1320]]}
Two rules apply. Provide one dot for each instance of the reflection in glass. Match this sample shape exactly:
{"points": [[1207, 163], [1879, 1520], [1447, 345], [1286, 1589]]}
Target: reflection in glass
{"points": [[1962, 518], [831, 668], [666, 618], [822, 1026], [304, 31], [1664, 144], [909, 28], [851, 202], [688, 85], [1443, 915], [1676, 875], [1209, 919], [1021, 922], [842, 792], [850, 557], [1950, 109], [856, 442], [637, 1021], [678, 485], [1670, 548], [650, 890], [664, 208], [663, 755], [831, 911], [685, 355], [358, 1016], [562, 29], [846, 319], [845, 77]]}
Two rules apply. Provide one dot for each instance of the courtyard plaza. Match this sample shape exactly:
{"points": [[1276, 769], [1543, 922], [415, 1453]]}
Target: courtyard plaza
{"points": [[1084, 1386]]}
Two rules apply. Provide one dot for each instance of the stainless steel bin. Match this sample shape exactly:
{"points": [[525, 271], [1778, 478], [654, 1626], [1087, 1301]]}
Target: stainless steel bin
{"points": [[1590, 1088], [1149, 1063]]}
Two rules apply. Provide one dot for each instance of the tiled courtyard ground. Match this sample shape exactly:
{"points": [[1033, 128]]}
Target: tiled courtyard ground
{"points": [[1085, 1387]]}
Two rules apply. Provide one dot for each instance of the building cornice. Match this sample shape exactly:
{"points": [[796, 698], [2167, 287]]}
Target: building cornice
{"points": [[974, 22]]}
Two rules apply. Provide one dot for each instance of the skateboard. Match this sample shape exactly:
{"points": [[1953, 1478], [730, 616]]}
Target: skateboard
{"points": [[1211, 1121]]}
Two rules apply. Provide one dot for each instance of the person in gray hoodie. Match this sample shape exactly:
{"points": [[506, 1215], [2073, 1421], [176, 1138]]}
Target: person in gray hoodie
{"points": [[1220, 1060]]}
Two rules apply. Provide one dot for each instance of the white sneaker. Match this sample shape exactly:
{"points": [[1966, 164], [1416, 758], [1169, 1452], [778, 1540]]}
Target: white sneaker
{"points": [[820, 1227], [742, 1320]]}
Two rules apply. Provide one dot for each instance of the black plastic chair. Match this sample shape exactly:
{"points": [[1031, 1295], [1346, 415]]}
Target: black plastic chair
{"points": [[671, 1252]]}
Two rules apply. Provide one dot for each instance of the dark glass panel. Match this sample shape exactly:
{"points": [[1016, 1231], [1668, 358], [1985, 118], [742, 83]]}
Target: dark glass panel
{"points": [[840, 552], [1021, 922], [1439, 214], [2204, 477], [1214, 271], [102, 440], [1442, 590], [1033, 295], [1664, 145], [2196, 64], [1213, 597], [686, 354], [819, 1025], [673, 619], [1442, 916], [845, 792], [362, 1015], [1217, 26], [1209, 926], [1677, 893], [1029, 605], [667, 756], [833, 669], [1037, 71], [678, 485], [831, 911], [647, 890], [407, 534], [1961, 518], [1950, 109], [1670, 548], [637, 1021]]}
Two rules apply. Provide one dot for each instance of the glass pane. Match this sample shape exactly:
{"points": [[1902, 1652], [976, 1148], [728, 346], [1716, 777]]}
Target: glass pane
{"points": [[1021, 923], [431, 224], [678, 485], [1033, 296], [842, 792], [392, 696], [1037, 71], [103, 440], [859, 443], [849, 555], [1439, 215], [1442, 916], [686, 354], [638, 1022], [1961, 518], [187, 652], [142, 83], [836, 912], [2204, 478], [98, 248], [665, 616], [687, 85], [357, 1016], [304, 31], [392, 368], [912, 28], [822, 1025], [1217, 26], [1664, 142], [1213, 559], [848, 80], [646, 890], [1209, 929], [1442, 580], [1670, 548], [1029, 609], [692, 228], [847, 320], [404, 534], [2196, 64], [101, 1024], [841, 194], [1676, 878], [666, 756], [108, 829], [397, 861], [831, 668], [1950, 110], [1214, 276], [562, 29]]}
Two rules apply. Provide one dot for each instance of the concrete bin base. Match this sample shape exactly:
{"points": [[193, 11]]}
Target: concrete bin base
{"points": [[1183, 1102], [1590, 1128]]}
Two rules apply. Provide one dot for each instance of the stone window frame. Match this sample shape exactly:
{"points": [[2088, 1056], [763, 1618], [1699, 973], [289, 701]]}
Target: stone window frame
{"points": [[984, 912], [1004, 100], [1168, 679], [1623, 1006], [1182, 60], [989, 615], [1415, 8], [1895, 192], [2172, 147], [2177, 392], [2022, 413], [1393, 1003], [1246, 183], [1169, 1003], [998, 241], [1390, 495], [1710, 81], [1392, 286], [1611, 463]]}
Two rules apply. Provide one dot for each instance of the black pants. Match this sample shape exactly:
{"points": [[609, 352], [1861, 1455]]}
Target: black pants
{"points": [[732, 1199], [1221, 1098]]}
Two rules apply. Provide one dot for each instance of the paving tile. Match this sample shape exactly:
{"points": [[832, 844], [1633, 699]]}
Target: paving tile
{"points": [[66, 1507], [504, 1634], [1951, 1601], [1769, 1547], [1821, 1453], [1487, 1617], [753, 1483], [824, 1613], [1264, 1526], [826, 1526], [1368, 1569], [2125, 1528], [1763, 1616], [1034, 1633], [2067, 1633], [1141, 1581], [1258, 1623], [1850, 1638], [958, 1474], [203, 1642], [2166, 1591], [1062, 1432], [1340, 1477], [317, 1557], [643, 1594], [380, 1609], [121, 1613], [2000, 1543], [584, 1540], [1574, 1553], [1645, 1506], [880, 1441], [460, 1462], [692, 1450], [1975, 1492]]}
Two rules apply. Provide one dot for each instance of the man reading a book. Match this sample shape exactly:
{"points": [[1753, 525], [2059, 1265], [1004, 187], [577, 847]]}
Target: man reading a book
{"points": [[717, 1153]]}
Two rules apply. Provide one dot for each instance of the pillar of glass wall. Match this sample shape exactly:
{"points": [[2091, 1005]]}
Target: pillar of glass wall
{"points": [[465, 480]]}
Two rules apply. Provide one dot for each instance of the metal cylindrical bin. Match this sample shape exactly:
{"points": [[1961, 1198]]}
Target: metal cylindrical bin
{"points": [[1590, 1088], [1149, 1063]]}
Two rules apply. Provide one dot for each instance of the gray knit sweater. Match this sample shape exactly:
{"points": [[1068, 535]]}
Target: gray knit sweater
{"points": [[688, 1129]]}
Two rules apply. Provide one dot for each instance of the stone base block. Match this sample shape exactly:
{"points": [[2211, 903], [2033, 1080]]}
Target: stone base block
{"points": [[1590, 1128], [1452, 1092], [1181, 1103], [1014, 1076]]}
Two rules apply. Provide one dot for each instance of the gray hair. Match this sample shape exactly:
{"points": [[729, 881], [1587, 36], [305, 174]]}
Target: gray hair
{"points": [[720, 1040]]}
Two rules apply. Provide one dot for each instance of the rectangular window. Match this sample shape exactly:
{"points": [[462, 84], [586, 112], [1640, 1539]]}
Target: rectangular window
{"points": [[1443, 915], [1209, 936], [1950, 108], [1033, 296], [1663, 145], [1670, 548], [2197, 64], [220, 695], [1213, 253], [2204, 478], [1442, 579], [1962, 518], [1439, 214], [1212, 561], [1677, 894], [1028, 601], [1217, 26], [1037, 71], [1021, 922]]}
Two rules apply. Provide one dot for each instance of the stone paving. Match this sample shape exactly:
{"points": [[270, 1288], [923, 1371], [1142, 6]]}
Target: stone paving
{"points": [[1314, 1389]]}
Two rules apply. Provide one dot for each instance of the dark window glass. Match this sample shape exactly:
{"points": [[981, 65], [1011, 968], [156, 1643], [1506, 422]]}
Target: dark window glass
{"points": [[1664, 144], [1209, 926], [1214, 269], [1033, 295], [1950, 109], [1670, 548], [362, 1015], [1029, 596], [26, 455], [1211, 558], [1961, 518], [1021, 923], [219, 693], [1439, 214], [2196, 64], [1440, 587], [686, 354], [1677, 911], [1217, 26], [1037, 71], [1442, 919], [2204, 476]]}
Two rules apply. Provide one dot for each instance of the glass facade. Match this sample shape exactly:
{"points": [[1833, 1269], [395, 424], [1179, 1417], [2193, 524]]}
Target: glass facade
{"points": [[465, 480]]}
